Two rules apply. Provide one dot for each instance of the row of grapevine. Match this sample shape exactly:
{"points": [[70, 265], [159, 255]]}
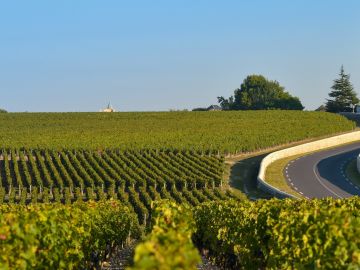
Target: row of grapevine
{"points": [[137, 178], [169, 245], [281, 234], [139, 199], [55, 236], [47, 168], [265, 234]]}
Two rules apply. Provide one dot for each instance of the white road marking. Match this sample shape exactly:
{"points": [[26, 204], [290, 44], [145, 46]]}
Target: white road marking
{"points": [[320, 179], [317, 177]]}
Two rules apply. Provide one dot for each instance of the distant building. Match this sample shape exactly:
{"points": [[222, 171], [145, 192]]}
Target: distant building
{"points": [[214, 108], [210, 108], [109, 108], [322, 108]]}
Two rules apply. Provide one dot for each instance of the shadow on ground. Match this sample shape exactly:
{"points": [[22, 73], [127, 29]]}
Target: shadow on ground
{"points": [[243, 175]]}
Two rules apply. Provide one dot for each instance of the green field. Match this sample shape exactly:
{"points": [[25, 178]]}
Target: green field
{"points": [[128, 162], [138, 157], [227, 132]]}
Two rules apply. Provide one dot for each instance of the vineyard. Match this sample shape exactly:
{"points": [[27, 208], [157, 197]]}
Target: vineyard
{"points": [[57, 236], [76, 186], [272, 234], [265, 234], [135, 178], [282, 234], [227, 132]]}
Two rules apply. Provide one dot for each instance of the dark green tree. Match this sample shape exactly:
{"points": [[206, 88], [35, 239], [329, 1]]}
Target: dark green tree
{"points": [[199, 109], [3, 111], [258, 93], [226, 104], [343, 96]]}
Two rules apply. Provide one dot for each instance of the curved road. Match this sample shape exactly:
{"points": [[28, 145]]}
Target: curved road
{"points": [[322, 174]]}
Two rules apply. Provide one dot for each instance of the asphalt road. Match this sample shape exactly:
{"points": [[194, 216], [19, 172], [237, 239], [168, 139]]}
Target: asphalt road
{"points": [[322, 174]]}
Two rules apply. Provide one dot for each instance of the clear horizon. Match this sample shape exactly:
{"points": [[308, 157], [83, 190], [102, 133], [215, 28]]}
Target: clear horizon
{"points": [[142, 56]]}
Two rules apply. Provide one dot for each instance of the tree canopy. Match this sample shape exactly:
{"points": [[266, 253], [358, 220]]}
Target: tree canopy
{"points": [[258, 93], [3, 111], [343, 97]]}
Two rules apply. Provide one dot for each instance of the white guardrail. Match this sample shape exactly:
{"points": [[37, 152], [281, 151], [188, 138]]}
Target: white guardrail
{"points": [[358, 163], [298, 150]]}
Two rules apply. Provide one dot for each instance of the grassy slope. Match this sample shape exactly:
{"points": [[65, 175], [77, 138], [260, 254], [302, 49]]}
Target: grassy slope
{"points": [[275, 175]]}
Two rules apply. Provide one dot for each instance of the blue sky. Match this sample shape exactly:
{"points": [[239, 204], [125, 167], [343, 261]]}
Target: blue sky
{"points": [[158, 55]]}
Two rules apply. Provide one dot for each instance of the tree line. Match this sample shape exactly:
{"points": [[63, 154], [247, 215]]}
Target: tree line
{"points": [[259, 93]]}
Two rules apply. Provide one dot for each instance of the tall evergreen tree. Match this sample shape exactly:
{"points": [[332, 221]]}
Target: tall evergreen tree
{"points": [[343, 95]]}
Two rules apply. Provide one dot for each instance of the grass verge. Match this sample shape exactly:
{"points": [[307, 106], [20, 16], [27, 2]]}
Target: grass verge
{"points": [[274, 175]]}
